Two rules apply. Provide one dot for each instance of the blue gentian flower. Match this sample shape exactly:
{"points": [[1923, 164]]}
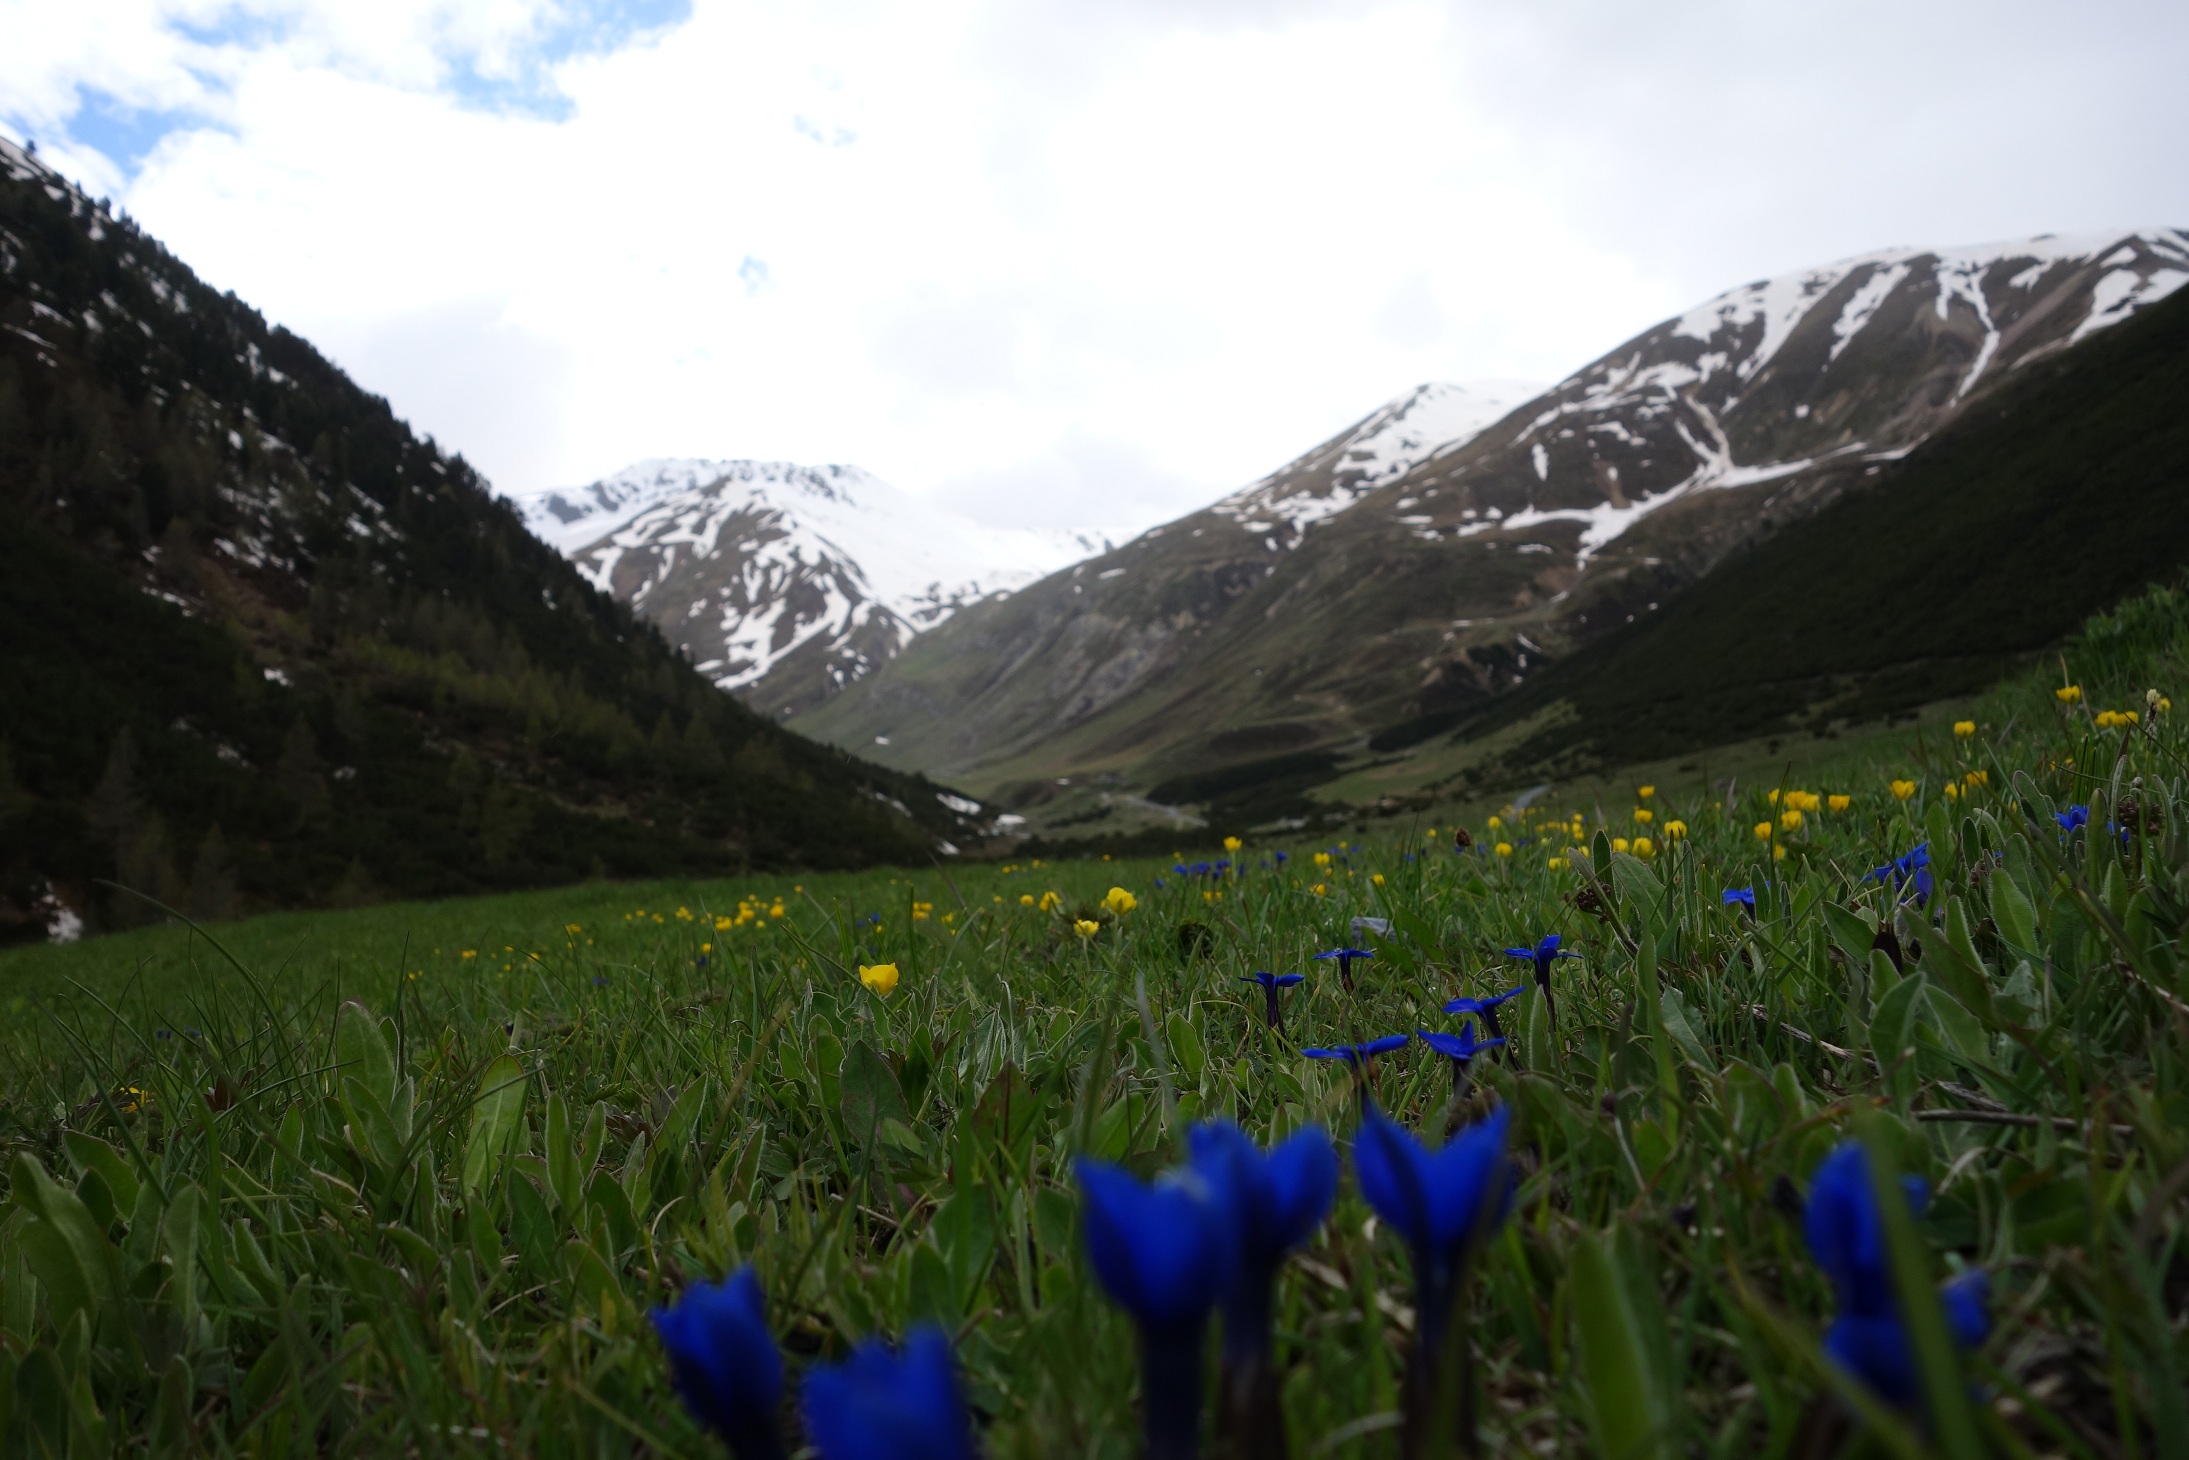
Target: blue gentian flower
{"points": [[1274, 1202], [2073, 819], [1487, 1008], [1542, 955], [1846, 1235], [1443, 1203], [878, 1405], [1282, 857], [1271, 982], [725, 1363], [162, 1034], [1163, 1252], [1345, 957], [1358, 1054], [1460, 1049], [1739, 896], [1913, 869]]}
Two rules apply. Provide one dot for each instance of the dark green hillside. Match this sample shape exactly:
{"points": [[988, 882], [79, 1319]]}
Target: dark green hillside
{"points": [[2045, 503], [260, 645]]}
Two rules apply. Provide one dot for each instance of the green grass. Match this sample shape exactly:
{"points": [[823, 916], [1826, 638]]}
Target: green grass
{"points": [[272, 1259]]}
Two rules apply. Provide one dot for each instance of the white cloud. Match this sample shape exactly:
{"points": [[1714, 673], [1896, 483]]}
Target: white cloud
{"points": [[1055, 263]]}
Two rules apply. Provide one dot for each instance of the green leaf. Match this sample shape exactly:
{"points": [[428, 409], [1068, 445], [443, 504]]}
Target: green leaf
{"points": [[2017, 920], [67, 1251], [563, 1172], [1892, 1024], [871, 1094], [496, 1114], [1628, 1413], [1186, 1047], [1635, 883], [361, 1050], [1850, 934], [87, 1153], [1673, 1009]]}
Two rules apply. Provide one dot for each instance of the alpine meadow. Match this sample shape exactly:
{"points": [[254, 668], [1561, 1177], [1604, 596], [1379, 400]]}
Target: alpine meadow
{"points": [[1639, 917]]}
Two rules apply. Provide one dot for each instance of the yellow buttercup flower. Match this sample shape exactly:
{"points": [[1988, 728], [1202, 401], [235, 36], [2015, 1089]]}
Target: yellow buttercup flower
{"points": [[1645, 792], [1495, 823], [1644, 847], [1964, 728], [1050, 902], [1791, 820], [1952, 790], [1618, 843], [1086, 928], [1644, 815], [880, 977], [1763, 831], [1902, 790], [1504, 849], [1320, 888], [1778, 853], [2068, 694], [1675, 829], [1322, 859], [1557, 864], [1232, 844], [1026, 899], [1977, 778], [1839, 803], [1119, 901], [1772, 796], [1377, 879]]}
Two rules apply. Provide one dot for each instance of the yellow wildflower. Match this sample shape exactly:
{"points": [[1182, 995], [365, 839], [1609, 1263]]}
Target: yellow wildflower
{"points": [[1320, 889], [1644, 847], [469, 953], [1618, 843], [1763, 831], [1556, 864], [1495, 823], [1050, 902], [1978, 778], [1433, 830], [1773, 796], [1232, 844], [1675, 829], [1119, 901], [1952, 790], [1086, 928], [1964, 728], [1791, 820], [1322, 859], [1026, 899], [572, 928], [880, 977], [1645, 792], [1839, 803], [1504, 849], [1644, 815], [1902, 790], [2068, 694], [1778, 853], [1377, 879]]}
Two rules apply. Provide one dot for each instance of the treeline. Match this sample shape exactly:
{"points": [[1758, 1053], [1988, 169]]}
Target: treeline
{"points": [[262, 646]]}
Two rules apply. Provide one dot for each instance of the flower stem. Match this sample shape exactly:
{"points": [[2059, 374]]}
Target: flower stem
{"points": [[1170, 1389]]}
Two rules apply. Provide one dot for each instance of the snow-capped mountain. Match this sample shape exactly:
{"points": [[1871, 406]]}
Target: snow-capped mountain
{"points": [[784, 583], [1391, 441], [1381, 578]]}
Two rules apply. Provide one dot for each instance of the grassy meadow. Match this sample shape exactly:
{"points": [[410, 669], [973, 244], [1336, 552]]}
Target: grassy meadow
{"points": [[408, 1178]]}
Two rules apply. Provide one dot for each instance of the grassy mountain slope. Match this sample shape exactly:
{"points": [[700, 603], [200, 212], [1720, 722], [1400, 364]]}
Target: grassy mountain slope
{"points": [[261, 645], [2046, 502]]}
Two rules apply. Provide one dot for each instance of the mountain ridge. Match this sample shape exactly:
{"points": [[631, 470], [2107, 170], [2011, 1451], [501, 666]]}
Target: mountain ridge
{"points": [[1203, 645]]}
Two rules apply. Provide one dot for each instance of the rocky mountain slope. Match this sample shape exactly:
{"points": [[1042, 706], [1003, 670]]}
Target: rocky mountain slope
{"points": [[261, 645], [1217, 650], [784, 583]]}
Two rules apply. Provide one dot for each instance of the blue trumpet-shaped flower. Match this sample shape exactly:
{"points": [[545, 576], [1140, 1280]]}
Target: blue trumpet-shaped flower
{"points": [[1543, 955], [1739, 897], [1444, 1203], [1486, 1008], [1273, 1202], [1345, 957], [1460, 1049], [1271, 982], [878, 1405], [1358, 1055], [725, 1363], [1912, 871], [1164, 1253], [2073, 819], [1846, 1233]]}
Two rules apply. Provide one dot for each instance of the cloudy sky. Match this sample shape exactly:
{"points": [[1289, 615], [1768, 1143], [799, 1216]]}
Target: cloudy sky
{"points": [[1057, 262]]}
